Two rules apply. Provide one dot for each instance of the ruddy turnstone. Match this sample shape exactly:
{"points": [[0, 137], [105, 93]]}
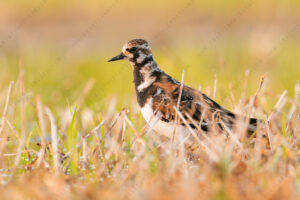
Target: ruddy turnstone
{"points": [[157, 95]]}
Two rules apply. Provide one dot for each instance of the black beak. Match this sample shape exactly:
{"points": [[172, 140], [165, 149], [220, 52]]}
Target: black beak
{"points": [[118, 57]]}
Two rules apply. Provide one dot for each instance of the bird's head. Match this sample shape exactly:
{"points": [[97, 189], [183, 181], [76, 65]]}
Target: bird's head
{"points": [[135, 51]]}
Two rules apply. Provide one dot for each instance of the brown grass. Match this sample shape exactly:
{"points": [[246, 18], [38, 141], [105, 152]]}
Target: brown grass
{"points": [[112, 157]]}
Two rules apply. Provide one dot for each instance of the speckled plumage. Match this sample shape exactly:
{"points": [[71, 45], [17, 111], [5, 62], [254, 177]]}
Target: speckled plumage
{"points": [[157, 95]]}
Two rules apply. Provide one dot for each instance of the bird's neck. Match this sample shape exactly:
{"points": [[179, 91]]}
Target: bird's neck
{"points": [[144, 75], [142, 70]]}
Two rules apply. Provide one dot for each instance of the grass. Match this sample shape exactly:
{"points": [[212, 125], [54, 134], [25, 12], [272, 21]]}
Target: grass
{"points": [[65, 136]]}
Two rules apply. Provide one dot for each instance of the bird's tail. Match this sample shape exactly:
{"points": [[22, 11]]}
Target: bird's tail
{"points": [[231, 119]]}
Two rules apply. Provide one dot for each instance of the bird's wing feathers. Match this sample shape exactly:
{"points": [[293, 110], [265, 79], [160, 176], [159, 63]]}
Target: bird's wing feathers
{"points": [[193, 104]]}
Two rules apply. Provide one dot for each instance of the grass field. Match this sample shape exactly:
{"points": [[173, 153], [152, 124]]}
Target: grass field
{"points": [[70, 124]]}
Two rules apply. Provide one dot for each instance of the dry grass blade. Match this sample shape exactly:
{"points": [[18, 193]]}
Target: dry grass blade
{"points": [[84, 152], [40, 114], [92, 132], [278, 104], [267, 127], [3, 121], [6, 107], [130, 124], [178, 104], [262, 80], [297, 91], [13, 129], [215, 87], [113, 124], [23, 122], [54, 141]]}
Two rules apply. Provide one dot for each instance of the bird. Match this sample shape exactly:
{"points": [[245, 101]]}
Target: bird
{"points": [[163, 99]]}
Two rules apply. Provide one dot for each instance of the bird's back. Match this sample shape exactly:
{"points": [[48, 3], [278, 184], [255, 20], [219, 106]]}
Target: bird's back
{"points": [[197, 109]]}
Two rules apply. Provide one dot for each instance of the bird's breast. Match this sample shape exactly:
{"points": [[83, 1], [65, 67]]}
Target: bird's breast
{"points": [[153, 118]]}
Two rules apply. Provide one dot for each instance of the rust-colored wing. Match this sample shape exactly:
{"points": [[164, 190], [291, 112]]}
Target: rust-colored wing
{"points": [[195, 106]]}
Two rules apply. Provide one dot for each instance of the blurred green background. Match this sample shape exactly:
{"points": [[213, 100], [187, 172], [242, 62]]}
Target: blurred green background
{"points": [[64, 44]]}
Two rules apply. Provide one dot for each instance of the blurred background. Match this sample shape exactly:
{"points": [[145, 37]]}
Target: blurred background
{"points": [[63, 46]]}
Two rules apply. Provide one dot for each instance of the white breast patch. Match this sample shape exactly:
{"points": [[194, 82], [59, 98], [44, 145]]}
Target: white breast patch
{"points": [[164, 128]]}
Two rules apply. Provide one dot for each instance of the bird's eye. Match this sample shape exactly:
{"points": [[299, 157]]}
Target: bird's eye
{"points": [[131, 50]]}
